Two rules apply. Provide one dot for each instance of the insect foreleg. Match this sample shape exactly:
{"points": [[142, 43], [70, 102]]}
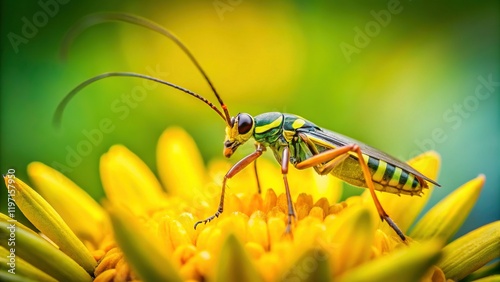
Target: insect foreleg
{"points": [[232, 172], [334, 154]]}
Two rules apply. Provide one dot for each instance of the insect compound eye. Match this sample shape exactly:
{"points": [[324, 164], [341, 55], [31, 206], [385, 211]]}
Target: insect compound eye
{"points": [[245, 123]]}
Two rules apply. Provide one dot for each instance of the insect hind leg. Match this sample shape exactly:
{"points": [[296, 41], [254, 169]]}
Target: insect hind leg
{"points": [[330, 165], [327, 160]]}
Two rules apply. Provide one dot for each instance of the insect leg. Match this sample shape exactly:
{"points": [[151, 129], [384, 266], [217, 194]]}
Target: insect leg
{"points": [[321, 168], [284, 170], [257, 176], [232, 172], [333, 154]]}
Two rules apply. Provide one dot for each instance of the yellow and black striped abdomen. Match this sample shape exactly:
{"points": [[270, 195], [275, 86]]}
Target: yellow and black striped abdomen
{"points": [[393, 179], [386, 177]]}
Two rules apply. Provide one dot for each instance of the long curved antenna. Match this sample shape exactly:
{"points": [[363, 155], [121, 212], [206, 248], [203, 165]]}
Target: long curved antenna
{"points": [[99, 18], [60, 108]]}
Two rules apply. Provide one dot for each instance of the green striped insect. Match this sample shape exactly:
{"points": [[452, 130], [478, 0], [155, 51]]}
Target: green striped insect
{"points": [[291, 138]]}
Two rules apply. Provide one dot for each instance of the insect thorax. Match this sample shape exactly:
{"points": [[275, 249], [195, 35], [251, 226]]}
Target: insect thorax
{"points": [[268, 128], [276, 130]]}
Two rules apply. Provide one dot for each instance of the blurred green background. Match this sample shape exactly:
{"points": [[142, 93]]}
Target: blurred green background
{"points": [[400, 76]]}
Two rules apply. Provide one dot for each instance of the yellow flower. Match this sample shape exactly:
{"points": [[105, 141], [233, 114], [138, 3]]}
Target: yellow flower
{"points": [[146, 233]]}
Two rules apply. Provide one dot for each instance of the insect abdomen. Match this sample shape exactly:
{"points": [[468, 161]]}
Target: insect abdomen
{"points": [[393, 179], [386, 177]]}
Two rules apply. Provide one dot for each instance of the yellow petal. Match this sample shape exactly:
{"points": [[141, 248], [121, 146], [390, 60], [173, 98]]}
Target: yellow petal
{"points": [[381, 244], [301, 181], [286, 251], [303, 205], [87, 219], [202, 241], [307, 232], [203, 264], [106, 276], [312, 266], [276, 228], [446, 217], [310, 182], [323, 204], [187, 220], [12, 219], [244, 182], [236, 223], [179, 235], [254, 250], [404, 209], [486, 271], [434, 274], [270, 176], [405, 264], [127, 180], [269, 265], [492, 278], [352, 235], [471, 251], [109, 261], [40, 253], [165, 234], [317, 212], [180, 165], [21, 268], [253, 202], [257, 230], [232, 203], [6, 276], [142, 249], [184, 253], [49, 222], [270, 200], [234, 264]]}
